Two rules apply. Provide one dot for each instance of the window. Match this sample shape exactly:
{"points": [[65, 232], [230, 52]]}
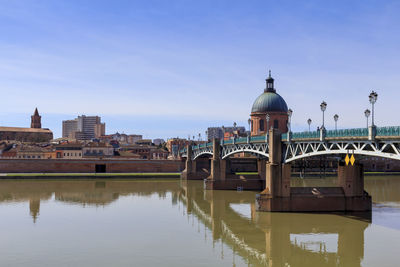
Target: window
{"points": [[80, 154], [276, 124], [38, 157], [64, 154], [261, 125]]}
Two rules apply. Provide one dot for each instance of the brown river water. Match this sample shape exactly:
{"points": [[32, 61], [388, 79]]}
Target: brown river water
{"points": [[159, 222]]}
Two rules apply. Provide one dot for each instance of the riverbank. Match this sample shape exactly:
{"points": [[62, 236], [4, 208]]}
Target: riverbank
{"points": [[87, 175], [327, 174]]}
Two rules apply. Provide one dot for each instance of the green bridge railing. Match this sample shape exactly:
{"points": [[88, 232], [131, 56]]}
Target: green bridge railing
{"points": [[341, 133], [388, 131]]}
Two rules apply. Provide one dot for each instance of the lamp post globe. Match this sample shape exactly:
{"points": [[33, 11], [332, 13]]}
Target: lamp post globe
{"points": [[323, 108], [336, 117], [309, 124], [373, 97]]}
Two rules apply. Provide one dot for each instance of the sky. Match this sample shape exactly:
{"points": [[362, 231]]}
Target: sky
{"points": [[173, 68]]}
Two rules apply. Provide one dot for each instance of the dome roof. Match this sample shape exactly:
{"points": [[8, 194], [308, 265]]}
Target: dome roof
{"points": [[269, 101]]}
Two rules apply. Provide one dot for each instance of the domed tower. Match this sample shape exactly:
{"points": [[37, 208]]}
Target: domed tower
{"points": [[36, 120], [270, 103]]}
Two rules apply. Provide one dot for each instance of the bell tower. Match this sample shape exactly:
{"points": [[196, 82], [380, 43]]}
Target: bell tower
{"points": [[36, 120]]}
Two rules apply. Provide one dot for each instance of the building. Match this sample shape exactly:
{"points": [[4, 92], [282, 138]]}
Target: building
{"points": [[70, 150], [97, 150], [143, 152], [69, 127], [174, 145], [36, 120], [33, 134], [133, 138], [84, 128], [271, 103], [219, 132], [146, 142], [158, 141]]}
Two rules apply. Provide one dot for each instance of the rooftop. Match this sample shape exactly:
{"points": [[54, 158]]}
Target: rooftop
{"points": [[25, 130]]}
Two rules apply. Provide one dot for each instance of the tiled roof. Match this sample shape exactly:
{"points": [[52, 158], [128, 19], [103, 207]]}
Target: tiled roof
{"points": [[25, 130]]}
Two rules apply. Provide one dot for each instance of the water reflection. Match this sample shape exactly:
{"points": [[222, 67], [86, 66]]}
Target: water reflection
{"points": [[260, 239], [276, 239], [79, 192]]}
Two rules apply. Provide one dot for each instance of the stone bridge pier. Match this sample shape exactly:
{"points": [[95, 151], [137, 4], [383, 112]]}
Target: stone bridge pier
{"points": [[222, 178], [198, 169], [278, 195]]}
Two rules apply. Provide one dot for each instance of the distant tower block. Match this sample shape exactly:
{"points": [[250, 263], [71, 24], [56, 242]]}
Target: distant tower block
{"points": [[36, 120]]}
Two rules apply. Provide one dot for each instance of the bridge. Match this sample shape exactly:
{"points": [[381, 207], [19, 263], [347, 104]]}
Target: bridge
{"points": [[386, 144], [275, 152]]}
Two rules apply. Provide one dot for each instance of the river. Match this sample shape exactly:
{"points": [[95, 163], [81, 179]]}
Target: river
{"points": [[159, 222]]}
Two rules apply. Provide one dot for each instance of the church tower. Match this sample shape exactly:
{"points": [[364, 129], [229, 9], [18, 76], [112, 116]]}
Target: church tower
{"points": [[36, 120]]}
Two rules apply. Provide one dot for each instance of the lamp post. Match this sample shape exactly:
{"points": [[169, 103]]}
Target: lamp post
{"points": [[309, 125], [373, 96], [336, 117], [249, 122], [323, 108], [267, 118], [367, 112], [290, 112], [199, 136]]}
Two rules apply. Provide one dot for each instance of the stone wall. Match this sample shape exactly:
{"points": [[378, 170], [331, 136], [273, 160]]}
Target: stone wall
{"points": [[88, 166]]}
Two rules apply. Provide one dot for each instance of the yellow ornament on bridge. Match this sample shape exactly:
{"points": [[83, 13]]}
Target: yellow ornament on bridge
{"points": [[352, 159], [347, 159]]}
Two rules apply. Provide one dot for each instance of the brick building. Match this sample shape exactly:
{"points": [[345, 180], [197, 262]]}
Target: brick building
{"points": [[33, 134], [271, 103]]}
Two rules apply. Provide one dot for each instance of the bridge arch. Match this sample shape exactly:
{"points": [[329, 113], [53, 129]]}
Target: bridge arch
{"points": [[202, 154], [250, 151], [252, 148], [383, 149]]}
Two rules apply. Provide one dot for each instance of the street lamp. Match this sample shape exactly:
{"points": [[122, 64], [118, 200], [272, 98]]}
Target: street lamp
{"points": [[249, 121], [367, 112], [373, 96], [207, 136], [199, 136], [323, 108], [290, 112], [267, 118], [336, 117], [309, 124]]}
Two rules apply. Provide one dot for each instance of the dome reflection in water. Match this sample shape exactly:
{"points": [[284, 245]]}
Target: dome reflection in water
{"points": [[174, 223]]}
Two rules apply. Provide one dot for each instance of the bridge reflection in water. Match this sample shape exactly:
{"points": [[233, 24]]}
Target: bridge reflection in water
{"points": [[271, 239], [277, 239]]}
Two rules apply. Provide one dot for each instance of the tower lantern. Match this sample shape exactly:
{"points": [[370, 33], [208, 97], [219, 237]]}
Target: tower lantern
{"points": [[270, 84]]}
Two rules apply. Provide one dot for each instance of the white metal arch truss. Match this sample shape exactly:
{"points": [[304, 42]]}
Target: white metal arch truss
{"points": [[254, 148], [294, 150], [202, 151], [382, 148]]}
